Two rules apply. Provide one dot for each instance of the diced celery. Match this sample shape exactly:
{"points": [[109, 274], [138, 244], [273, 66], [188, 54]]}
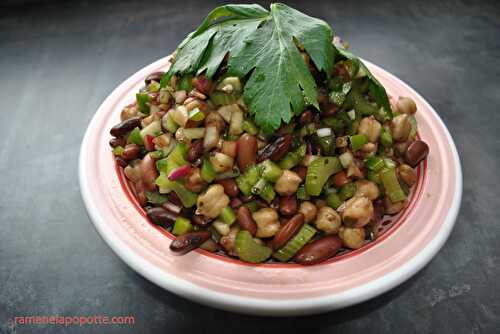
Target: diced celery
{"points": [[227, 215], [182, 226], [250, 251], [333, 200], [185, 83], [357, 141], [268, 193], [207, 171], [118, 151], [270, 171], [143, 100], [135, 137], [292, 159], [347, 191], [391, 185], [153, 129], [318, 173], [295, 244]]}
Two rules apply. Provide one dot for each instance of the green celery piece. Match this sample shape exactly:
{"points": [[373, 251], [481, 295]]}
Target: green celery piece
{"points": [[153, 129], [227, 216], [357, 141], [374, 163], [252, 206], [250, 251], [391, 185], [207, 171], [373, 176], [175, 159], [118, 151], [301, 193], [221, 99], [386, 138], [292, 159], [135, 137], [291, 248], [249, 127], [247, 180], [347, 191], [170, 124], [182, 226], [413, 131], [268, 193], [143, 100], [185, 83], [333, 200], [318, 173], [327, 144], [270, 171]]}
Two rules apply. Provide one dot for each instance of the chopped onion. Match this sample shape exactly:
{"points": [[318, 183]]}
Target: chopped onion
{"points": [[179, 172], [235, 126], [211, 137], [172, 207], [346, 159], [226, 111], [194, 133], [180, 115], [324, 132], [352, 114]]}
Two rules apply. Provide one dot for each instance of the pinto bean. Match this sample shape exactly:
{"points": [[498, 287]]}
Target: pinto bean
{"points": [[416, 152], [122, 128], [187, 242], [160, 216], [155, 76], [288, 205], [287, 231], [276, 150], [230, 187], [319, 250], [195, 151], [247, 151], [245, 220], [148, 172], [131, 152]]}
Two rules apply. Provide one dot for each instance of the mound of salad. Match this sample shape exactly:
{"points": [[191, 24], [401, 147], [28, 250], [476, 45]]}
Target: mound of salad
{"points": [[266, 140]]}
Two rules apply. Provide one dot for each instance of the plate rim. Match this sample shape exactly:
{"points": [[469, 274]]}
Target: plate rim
{"points": [[269, 307]]}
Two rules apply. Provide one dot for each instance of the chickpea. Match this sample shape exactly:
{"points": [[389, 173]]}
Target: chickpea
{"points": [[369, 149], [401, 147], [371, 128], [228, 241], [358, 212], [212, 202], [267, 221], [407, 174], [406, 105], [221, 162], [181, 137], [393, 208], [128, 112], [400, 127], [162, 141], [309, 211], [288, 183], [367, 189], [215, 119], [194, 182], [328, 220], [352, 237]]}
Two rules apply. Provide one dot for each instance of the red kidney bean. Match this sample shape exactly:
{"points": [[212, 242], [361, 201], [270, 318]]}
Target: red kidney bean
{"points": [[201, 220], [195, 151], [160, 216], [121, 162], [235, 203], [148, 172], [115, 142], [247, 198], [172, 207], [288, 205], [247, 151], [306, 117], [172, 197], [202, 84], [187, 242], [301, 172], [245, 220], [121, 129], [319, 250], [288, 231], [416, 152], [131, 152], [230, 187], [155, 76], [341, 179], [276, 150]]}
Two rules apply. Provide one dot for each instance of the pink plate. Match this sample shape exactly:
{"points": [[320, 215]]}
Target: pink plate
{"points": [[274, 289]]}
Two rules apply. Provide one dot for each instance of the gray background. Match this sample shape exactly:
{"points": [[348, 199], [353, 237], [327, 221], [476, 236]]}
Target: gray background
{"points": [[59, 60]]}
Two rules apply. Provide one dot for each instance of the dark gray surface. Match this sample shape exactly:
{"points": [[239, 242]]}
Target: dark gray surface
{"points": [[58, 61]]}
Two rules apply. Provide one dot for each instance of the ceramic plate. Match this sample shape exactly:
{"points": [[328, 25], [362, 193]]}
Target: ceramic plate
{"points": [[407, 244]]}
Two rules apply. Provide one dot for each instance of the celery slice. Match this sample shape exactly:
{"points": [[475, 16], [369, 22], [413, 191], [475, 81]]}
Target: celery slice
{"points": [[250, 251], [293, 246]]}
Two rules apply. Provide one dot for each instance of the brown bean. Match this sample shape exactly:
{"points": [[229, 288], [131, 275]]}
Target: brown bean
{"points": [[247, 198], [195, 151], [235, 203], [230, 187], [416, 152], [330, 110], [245, 220], [287, 231], [277, 149], [187, 242], [148, 172], [319, 250], [121, 162], [201, 220], [121, 129], [160, 216], [288, 205], [115, 142], [202, 84], [131, 152], [155, 76], [340, 179], [247, 151], [306, 117]]}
